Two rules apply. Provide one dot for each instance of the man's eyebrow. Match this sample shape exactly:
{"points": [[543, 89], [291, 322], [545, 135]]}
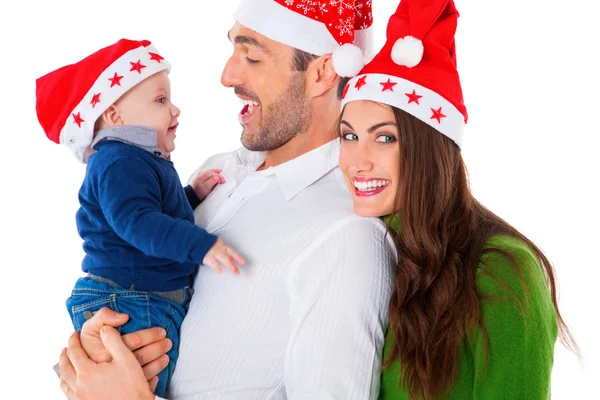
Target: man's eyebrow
{"points": [[247, 40]]}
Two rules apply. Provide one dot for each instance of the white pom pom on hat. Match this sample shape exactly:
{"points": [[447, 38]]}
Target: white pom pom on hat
{"points": [[407, 51], [348, 60]]}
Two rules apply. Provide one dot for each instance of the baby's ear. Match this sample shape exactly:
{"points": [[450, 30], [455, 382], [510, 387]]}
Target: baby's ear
{"points": [[112, 117]]}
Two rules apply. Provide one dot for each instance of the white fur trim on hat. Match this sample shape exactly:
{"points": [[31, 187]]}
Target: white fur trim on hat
{"points": [[348, 60], [407, 51], [422, 103], [278, 23]]}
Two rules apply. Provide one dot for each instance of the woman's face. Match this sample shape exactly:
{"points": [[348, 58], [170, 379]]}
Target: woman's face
{"points": [[370, 156]]}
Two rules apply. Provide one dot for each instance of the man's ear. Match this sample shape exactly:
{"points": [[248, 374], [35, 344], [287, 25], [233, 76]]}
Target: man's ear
{"points": [[112, 116], [321, 76]]}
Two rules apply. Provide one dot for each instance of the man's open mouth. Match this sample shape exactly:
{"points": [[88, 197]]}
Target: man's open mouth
{"points": [[248, 110]]}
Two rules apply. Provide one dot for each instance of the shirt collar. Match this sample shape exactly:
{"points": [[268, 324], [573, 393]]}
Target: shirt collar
{"points": [[140, 136], [296, 175]]}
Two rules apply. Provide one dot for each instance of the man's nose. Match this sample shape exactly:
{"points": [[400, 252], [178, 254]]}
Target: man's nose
{"points": [[233, 74]]}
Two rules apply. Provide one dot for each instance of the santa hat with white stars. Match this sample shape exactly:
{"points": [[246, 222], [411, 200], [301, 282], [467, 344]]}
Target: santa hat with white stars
{"points": [[416, 69], [340, 27], [70, 99]]}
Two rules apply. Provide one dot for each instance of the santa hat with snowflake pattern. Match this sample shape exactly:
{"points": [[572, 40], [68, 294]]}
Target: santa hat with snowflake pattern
{"points": [[70, 99], [340, 27], [416, 69]]}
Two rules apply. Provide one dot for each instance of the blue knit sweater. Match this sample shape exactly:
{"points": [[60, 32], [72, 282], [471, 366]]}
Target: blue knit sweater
{"points": [[136, 219]]}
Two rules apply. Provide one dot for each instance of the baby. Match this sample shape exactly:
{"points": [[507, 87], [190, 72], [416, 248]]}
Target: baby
{"points": [[113, 109]]}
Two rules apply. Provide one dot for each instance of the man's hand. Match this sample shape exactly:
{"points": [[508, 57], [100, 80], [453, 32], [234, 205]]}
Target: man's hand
{"points": [[122, 378], [149, 345], [90, 333], [205, 181], [219, 254]]}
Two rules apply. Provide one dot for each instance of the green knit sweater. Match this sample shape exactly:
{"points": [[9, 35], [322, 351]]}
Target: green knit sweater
{"points": [[521, 341]]}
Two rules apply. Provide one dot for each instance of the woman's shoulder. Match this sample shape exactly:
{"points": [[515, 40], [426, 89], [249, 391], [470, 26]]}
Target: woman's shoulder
{"points": [[511, 280], [510, 259]]}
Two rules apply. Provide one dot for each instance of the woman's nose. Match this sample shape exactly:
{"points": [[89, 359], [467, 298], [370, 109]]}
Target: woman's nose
{"points": [[362, 163]]}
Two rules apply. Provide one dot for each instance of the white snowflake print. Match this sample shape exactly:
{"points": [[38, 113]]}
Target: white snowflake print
{"points": [[289, 2], [357, 8], [341, 5], [307, 5], [323, 8], [346, 26], [364, 25]]}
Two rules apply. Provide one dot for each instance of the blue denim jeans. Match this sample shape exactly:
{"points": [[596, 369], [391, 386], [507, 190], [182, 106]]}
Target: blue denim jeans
{"points": [[145, 310]]}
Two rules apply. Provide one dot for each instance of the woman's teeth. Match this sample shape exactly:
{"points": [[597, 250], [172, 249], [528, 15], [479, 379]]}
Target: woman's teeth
{"points": [[370, 185]]}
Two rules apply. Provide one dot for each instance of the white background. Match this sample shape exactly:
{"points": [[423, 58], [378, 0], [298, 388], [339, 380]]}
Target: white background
{"points": [[530, 86]]}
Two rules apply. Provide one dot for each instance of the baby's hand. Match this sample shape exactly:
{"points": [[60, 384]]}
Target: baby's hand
{"points": [[205, 181], [225, 255]]}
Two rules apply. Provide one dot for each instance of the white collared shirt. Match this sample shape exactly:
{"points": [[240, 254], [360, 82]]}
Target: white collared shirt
{"points": [[305, 319]]}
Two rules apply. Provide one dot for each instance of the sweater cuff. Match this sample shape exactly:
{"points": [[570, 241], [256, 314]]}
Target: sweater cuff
{"points": [[192, 197]]}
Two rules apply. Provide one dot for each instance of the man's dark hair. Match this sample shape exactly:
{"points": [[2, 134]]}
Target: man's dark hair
{"points": [[341, 84], [301, 61]]}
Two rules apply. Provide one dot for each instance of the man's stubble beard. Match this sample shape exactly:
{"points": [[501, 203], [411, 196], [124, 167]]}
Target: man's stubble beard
{"points": [[282, 120]]}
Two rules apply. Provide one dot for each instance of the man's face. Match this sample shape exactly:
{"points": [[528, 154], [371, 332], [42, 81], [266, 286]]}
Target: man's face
{"points": [[275, 106]]}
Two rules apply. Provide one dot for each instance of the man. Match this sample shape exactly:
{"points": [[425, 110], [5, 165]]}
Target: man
{"points": [[305, 319]]}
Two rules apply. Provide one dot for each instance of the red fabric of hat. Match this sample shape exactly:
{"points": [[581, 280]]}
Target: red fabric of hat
{"points": [[416, 69], [70, 99], [340, 27]]}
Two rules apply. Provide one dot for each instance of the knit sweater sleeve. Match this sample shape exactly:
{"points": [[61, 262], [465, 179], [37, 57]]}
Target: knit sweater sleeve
{"points": [[520, 324], [192, 197], [129, 193]]}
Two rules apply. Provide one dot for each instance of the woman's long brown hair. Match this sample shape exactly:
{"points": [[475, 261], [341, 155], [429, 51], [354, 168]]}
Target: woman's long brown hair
{"points": [[442, 233]]}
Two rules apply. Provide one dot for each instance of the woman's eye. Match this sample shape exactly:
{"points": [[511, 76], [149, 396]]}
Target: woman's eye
{"points": [[251, 61], [385, 139], [349, 136]]}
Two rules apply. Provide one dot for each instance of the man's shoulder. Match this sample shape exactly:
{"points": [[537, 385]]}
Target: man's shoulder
{"points": [[357, 228], [330, 194]]}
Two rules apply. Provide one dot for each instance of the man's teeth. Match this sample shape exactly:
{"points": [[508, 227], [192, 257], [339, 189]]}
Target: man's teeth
{"points": [[370, 185], [249, 103]]}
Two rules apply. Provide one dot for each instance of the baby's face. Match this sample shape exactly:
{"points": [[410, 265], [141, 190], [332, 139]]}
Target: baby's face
{"points": [[149, 104]]}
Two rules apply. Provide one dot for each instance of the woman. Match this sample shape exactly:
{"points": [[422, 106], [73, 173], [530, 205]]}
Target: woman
{"points": [[473, 313]]}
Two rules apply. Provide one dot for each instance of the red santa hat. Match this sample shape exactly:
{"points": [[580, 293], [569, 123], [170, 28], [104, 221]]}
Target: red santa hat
{"points": [[340, 27], [71, 99], [416, 69]]}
